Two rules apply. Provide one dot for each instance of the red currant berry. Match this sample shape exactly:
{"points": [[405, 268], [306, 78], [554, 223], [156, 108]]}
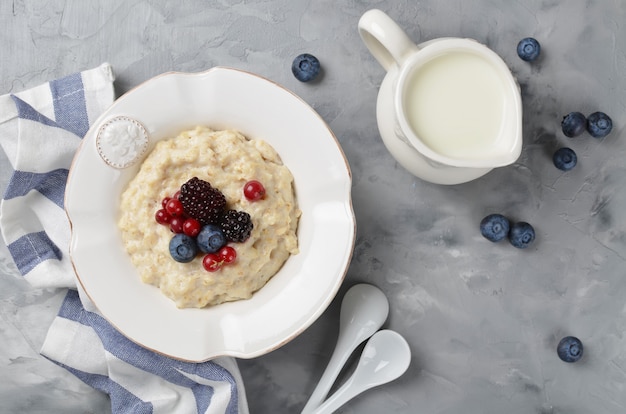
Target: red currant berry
{"points": [[176, 224], [227, 254], [174, 207], [162, 216], [191, 227], [211, 262], [164, 201], [254, 190], [176, 195]]}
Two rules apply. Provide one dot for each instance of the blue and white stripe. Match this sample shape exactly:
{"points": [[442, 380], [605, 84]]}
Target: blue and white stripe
{"points": [[165, 386], [47, 123], [40, 130]]}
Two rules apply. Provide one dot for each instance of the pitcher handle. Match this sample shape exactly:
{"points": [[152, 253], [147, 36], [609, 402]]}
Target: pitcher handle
{"points": [[386, 41]]}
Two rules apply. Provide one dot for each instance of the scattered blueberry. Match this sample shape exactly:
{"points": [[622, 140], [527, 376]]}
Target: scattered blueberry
{"points": [[521, 235], [570, 349], [183, 248], [305, 67], [564, 159], [211, 238], [573, 124], [528, 49], [599, 124], [494, 227]]}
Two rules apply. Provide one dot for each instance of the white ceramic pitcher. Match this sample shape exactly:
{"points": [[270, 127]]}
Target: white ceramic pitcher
{"points": [[449, 110]]}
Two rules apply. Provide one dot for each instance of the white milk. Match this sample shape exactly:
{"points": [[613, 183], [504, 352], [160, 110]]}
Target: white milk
{"points": [[455, 103]]}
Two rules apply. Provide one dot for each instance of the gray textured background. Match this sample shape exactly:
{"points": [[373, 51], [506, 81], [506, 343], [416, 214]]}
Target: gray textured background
{"points": [[482, 319]]}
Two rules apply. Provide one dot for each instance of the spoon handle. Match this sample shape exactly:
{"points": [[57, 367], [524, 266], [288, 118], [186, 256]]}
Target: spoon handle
{"points": [[344, 394], [337, 360]]}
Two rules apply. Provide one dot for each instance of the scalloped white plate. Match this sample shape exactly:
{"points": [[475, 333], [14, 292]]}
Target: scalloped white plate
{"points": [[295, 297]]}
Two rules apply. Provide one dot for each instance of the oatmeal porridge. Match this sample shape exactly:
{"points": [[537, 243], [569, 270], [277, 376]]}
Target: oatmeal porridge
{"points": [[228, 161]]}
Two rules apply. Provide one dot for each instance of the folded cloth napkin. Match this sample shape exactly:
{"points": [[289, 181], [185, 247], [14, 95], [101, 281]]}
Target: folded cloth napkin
{"points": [[40, 129]]}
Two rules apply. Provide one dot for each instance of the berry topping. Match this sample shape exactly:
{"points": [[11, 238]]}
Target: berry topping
{"points": [[227, 254], [521, 235], [162, 216], [305, 67], [183, 248], [197, 215], [201, 201], [236, 225], [174, 207], [164, 201], [528, 49], [191, 227], [599, 124], [254, 190], [570, 349], [573, 124], [211, 238], [564, 159], [176, 224], [212, 262], [494, 227]]}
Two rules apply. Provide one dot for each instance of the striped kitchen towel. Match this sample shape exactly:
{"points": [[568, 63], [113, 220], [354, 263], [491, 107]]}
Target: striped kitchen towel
{"points": [[40, 130]]}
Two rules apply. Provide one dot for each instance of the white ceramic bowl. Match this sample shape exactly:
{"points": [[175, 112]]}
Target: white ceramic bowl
{"points": [[220, 98]]}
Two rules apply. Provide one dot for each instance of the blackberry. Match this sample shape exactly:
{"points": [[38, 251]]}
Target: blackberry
{"points": [[201, 201], [236, 225]]}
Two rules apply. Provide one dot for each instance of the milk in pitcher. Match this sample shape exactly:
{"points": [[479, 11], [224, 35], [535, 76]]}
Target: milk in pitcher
{"points": [[455, 104]]}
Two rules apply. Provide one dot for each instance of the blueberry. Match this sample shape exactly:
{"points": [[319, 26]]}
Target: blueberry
{"points": [[305, 67], [183, 248], [599, 124], [573, 124], [494, 227], [570, 349], [528, 49], [521, 235], [564, 159], [211, 238]]}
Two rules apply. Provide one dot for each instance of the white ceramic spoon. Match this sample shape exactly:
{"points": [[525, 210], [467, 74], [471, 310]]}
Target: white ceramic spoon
{"points": [[385, 357], [364, 310]]}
